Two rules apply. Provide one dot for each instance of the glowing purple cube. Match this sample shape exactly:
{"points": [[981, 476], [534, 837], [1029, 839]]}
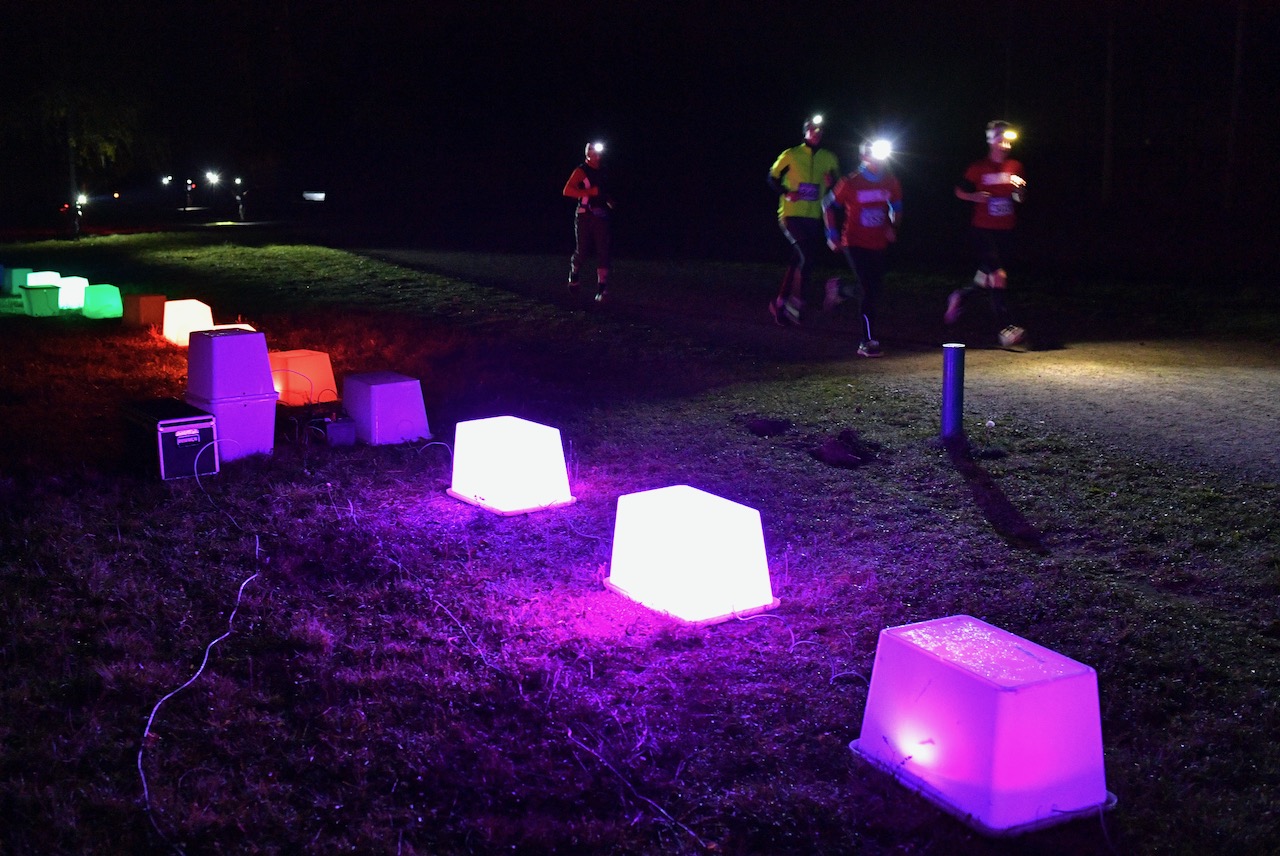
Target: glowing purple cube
{"points": [[691, 554], [225, 363], [1000, 732], [509, 466]]}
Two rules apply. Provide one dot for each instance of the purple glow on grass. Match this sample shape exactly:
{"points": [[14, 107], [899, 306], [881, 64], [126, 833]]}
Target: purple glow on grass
{"points": [[691, 554], [1000, 731]]}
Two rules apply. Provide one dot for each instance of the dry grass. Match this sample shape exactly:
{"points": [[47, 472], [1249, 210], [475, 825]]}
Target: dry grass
{"points": [[408, 674]]}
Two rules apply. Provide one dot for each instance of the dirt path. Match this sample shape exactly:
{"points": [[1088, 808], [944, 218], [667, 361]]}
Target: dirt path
{"points": [[1211, 404], [1197, 403]]}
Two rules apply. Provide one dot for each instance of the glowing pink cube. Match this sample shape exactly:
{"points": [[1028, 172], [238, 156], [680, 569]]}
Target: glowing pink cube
{"points": [[691, 554], [509, 465], [183, 317], [1000, 732], [303, 377]]}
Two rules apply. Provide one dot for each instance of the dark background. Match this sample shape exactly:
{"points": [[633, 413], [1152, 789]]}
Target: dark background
{"points": [[1148, 127]]}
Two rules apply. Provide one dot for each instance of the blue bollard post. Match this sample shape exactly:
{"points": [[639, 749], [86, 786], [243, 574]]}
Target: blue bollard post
{"points": [[952, 391]]}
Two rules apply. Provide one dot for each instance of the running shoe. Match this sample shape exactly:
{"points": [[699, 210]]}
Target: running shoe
{"points": [[1011, 336], [601, 295], [952, 315], [870, 348], [784, 313]]}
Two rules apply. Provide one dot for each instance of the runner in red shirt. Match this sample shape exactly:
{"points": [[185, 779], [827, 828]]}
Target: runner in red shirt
{"points": [[995, 186], [871, 199]]}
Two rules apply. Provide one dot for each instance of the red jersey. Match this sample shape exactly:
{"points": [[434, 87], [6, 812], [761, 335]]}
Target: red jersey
{"points": [[867, 200], [1002, 181]]}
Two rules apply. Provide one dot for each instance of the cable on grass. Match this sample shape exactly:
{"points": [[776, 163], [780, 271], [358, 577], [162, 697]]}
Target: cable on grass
{"points": [[426, 446], [196, 466], [612, 769], [146, 732]]}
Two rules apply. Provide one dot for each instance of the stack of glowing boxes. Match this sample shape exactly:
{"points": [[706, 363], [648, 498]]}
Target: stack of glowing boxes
{"points": [[229, 375], [1000, 732]]}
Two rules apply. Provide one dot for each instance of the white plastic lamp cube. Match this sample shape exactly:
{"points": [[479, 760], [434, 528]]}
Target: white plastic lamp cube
{"points": [[693, 555], [39, 301], [509, 466], [143, 310], [183, 317], [14, 278], [387, 407], [303, 377], [44, 277], [1000, 732], [102, 300], [228, 363], [71, 292]]}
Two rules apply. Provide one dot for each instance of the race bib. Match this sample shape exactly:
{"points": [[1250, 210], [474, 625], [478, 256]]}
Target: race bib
{"points": [[872, 218], [1000, 206], [808, 191]]}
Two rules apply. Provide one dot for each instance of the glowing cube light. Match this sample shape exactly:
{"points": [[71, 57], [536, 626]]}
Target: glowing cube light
{"points": [[998, 731], [387, 407], [228, 363], [71, 292], [183, 317], [44, 277], [509, 466], [691, 554], [303, 377], [102, 300], [39, 301], [143, 310], [14, 278]]}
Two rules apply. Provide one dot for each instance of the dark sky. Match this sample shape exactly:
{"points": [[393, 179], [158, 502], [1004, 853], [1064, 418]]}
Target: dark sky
{"points": [[476, 111]]}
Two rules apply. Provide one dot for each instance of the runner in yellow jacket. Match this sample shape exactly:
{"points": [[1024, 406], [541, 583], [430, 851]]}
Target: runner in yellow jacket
{"points": [[801, 176]]}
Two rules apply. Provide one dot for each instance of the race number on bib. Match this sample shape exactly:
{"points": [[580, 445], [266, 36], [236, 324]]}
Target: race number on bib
{"points": [[808, 191], [1000, 206], [872, 218]]}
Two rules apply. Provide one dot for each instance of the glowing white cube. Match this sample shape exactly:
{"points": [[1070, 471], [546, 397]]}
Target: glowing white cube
{"points": [[691, 554], [71, 292], [303, 377], [183, 317], [509, 465], [44, 277], [1000, 732]]}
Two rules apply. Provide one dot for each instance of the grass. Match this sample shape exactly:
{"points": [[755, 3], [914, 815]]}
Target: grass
{"points": [[409, 674]]}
